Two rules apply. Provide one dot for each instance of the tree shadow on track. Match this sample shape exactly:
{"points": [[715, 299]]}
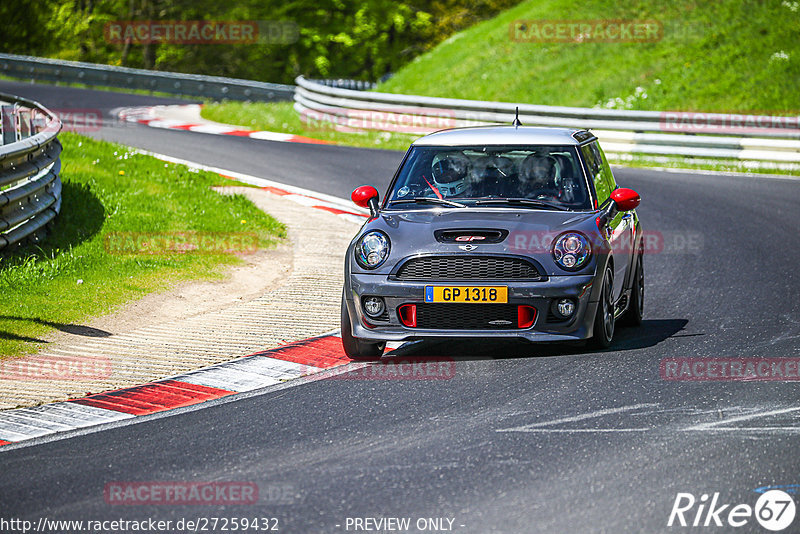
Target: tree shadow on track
{"points": [[649, 334]]}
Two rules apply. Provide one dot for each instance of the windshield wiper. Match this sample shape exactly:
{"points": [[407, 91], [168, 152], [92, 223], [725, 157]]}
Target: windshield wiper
{"points": [[420, 200], [523, 202]]}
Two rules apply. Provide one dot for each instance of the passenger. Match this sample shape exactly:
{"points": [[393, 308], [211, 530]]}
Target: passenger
{"points": [[537, 178]]}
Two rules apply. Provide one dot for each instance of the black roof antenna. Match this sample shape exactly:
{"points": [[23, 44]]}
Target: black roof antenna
{"points": [[516, 123]]}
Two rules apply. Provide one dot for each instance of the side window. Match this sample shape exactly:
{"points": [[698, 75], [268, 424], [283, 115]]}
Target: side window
{"points": [[609, 176], [597, 172]]}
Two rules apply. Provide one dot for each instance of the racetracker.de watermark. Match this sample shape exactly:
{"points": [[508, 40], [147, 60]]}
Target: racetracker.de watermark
{"points": [[653, 242], [202, 32], [735, 369], [181, 493], [586, 31], [79, 120], [154, 243], [416, 368], [55, 368], [411, 120], [717, 123]]}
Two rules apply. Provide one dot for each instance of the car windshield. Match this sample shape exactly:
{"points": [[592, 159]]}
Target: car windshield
{"points": [[541, 177]]}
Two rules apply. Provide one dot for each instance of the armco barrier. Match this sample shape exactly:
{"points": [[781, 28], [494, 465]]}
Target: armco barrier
{"points": [[620, 131], [213, 87], [30, 188]]}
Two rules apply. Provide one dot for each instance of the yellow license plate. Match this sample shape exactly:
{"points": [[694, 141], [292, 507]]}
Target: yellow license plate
{"points": [[470, 294]]}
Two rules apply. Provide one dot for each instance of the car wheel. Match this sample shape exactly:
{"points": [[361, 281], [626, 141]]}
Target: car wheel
{"points": [[354, 348], [633, 317], [604, 318]]}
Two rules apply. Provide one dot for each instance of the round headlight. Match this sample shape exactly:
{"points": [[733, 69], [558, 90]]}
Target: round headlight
{"points": [[571, 251], [372, 249]]}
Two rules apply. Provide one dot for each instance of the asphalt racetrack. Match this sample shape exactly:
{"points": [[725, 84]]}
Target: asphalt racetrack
{"points": [[520, 438]]}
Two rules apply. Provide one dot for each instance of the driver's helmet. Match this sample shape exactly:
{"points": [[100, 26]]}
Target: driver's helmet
{"points": [[449, 170], [539, 171]]}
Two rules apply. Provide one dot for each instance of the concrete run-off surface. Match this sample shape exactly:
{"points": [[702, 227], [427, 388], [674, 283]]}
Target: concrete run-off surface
{"points": [[305, 304]]}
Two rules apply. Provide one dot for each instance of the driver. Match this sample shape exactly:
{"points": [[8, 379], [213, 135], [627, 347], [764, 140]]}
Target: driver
{"points": [[449, 171], [537, 177]]}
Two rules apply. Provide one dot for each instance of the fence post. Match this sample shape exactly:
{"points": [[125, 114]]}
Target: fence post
{"points": [[7, 112]]}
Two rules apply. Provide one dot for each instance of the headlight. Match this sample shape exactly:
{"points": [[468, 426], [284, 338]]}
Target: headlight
{"points": [[572, 251], [372, 249]]}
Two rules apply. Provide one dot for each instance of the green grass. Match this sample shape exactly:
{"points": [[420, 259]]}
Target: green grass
{"points": [[108, 191], [722, 56], [281, 117]]}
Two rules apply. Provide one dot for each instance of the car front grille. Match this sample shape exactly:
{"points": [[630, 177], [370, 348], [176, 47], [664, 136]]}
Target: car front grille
{"points": [[432, 268], [467, 316]]}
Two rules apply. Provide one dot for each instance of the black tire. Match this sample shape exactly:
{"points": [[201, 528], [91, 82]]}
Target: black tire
{"points": [[604, 318], [354, 348], [633, 316]]}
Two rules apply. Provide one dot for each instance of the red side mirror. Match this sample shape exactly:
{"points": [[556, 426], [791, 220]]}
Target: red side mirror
{"points": [[625, 199], [362, 195]]}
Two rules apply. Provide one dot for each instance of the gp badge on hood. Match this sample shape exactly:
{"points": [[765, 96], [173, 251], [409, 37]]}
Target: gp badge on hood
{"points": [[469, 235]]}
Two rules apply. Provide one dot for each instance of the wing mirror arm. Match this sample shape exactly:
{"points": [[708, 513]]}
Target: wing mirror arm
{"points": [[373, 207], [607, 213]]}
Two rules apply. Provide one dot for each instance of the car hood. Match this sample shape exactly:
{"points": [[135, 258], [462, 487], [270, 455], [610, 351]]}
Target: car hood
{"points": [[527, 232]]}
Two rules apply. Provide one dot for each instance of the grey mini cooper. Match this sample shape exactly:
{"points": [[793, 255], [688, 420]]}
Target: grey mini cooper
{"points": [[500, 231]]}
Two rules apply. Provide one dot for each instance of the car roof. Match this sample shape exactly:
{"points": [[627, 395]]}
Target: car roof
{"points": [[505, 135]]}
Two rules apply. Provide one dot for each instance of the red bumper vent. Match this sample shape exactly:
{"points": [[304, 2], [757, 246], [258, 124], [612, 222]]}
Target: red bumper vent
{"points": [[408, 315], [526, 315]]}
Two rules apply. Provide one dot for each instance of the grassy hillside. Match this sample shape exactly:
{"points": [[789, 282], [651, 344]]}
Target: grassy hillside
{"points": [[726, 56]]}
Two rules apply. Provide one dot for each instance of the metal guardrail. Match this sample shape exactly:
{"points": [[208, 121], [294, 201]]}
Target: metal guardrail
{"points": [[342, 83], [30, 187], [213, 87], [620, 131]]}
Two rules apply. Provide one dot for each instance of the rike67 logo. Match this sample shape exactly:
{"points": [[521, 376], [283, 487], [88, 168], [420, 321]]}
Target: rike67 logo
{"points": [[774, 510]]}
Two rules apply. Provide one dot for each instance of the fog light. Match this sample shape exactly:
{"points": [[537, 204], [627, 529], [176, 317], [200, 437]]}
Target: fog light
{"points": [[374, 306], [566, 308]]}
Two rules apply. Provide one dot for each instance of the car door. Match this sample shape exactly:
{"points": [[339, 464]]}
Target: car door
{"points": [[619, 230]]}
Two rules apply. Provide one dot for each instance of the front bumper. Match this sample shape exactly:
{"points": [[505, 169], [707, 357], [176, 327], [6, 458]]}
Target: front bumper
{"points": [[537, 294]]}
